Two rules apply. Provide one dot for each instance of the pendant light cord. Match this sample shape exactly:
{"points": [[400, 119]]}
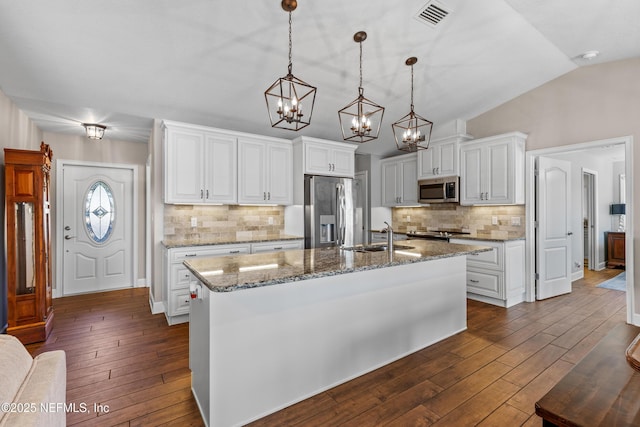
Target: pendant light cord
{"points": [[290, 46], [360, 90], [412, 88]]}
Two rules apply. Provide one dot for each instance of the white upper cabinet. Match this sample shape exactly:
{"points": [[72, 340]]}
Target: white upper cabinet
{"points": [[265, 171], [399, 180], [328, 158], [492, 170], [442, 158], [200, 165]]}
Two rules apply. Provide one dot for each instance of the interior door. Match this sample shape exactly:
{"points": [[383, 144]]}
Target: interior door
{"points": [[98, 208], [553, 237]]}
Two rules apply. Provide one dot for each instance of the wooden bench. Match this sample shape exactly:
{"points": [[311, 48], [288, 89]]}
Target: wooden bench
{"points": [[603, 389]]}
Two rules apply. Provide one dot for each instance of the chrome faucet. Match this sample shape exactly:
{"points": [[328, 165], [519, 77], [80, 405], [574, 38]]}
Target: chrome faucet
{"points": [[389, 237]]}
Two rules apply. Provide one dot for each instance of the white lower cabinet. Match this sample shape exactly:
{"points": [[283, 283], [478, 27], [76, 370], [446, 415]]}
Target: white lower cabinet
{"points": [[496, 277], [378, 237], [178, 279]]}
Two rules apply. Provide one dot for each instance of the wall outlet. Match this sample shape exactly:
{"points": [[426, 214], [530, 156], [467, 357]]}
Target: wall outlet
{"points": [[515, 220], [270, 220], [194, 221], [494, 220], [408, 218]]}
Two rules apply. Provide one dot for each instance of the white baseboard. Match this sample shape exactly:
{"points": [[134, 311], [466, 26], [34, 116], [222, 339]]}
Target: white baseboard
{"points": [[157, 307], [142, 283], [577, 275]]}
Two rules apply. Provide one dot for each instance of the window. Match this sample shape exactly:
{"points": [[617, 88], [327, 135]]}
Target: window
{"points": [[99, 212]]}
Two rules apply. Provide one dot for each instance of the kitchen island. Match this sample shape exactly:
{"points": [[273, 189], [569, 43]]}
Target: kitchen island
{"points": [[269, 330]]}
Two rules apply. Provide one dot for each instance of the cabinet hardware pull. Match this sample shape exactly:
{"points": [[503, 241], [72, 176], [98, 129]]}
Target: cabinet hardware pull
{"points": [[269, 195], [329, 166], [207, 194], [264, 195], [278, 248], [67, 237], [570, 233], [237, 251], [190, 255], [474, 281], [201, 193]]}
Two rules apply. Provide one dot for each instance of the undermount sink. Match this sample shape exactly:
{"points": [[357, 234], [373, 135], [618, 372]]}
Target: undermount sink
{"points": [[375, 248]]}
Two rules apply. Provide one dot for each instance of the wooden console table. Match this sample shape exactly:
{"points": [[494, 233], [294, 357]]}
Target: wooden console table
{"points": [[615, 249], [601, 390]]}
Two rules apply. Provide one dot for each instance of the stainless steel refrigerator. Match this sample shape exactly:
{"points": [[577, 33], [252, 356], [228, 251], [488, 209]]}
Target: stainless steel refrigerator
{"points": [[330, 213]]}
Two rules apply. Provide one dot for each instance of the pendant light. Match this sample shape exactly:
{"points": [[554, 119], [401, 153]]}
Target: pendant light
{"points": [[360, 120], [286, 96], [412, 132]]}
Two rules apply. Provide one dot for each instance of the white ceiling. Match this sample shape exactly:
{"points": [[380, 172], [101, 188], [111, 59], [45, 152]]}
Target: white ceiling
{"points": [[123, 63]]}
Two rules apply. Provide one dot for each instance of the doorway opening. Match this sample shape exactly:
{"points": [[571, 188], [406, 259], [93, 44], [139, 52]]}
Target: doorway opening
{"points": [[590, 218], [601, 219]]}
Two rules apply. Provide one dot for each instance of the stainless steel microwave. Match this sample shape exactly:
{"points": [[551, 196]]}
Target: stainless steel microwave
{"points": [[439, 190]]}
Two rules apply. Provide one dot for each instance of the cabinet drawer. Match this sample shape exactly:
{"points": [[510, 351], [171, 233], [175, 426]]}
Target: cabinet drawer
{"points": [[179, 302], [485, 283], [284, 245], [492, 260], [180, 276], [179, 255]]}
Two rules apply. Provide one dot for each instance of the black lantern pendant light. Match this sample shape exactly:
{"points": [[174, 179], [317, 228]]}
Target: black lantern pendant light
{"points": [[412, 132], [286, 97], [360, 120]]}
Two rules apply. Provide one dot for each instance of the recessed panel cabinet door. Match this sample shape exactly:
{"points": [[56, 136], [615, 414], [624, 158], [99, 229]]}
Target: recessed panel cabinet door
{"points": [[471, 179], [252, 172], [184, 174], [280, 186], [499, 172], [221, 169]]}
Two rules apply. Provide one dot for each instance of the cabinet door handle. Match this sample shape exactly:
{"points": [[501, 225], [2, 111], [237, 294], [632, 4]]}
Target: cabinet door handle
{"points": [[264, 195], [570, 233], [279, 248], [269, 195], [207, 194], [201, 193], [67, 237], [433, 171], [329, 166], [438, 171], [237, 251], [474, 281], [190, 255]]}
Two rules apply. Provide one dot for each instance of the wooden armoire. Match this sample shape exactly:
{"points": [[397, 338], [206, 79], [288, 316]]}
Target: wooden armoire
{"points": [[27, 211]]}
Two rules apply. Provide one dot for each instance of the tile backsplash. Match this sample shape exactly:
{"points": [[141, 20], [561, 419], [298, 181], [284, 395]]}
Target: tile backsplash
{"points": [[226, 222], [478, 220]]}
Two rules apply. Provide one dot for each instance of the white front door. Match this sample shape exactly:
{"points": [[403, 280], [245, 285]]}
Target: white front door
{"points": [[97, 228], [553, 238]]}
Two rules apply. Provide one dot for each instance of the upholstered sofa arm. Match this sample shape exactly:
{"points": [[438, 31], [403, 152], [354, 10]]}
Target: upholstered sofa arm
{"points": [[41, 396]]}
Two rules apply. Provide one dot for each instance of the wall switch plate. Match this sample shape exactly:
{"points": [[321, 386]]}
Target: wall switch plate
{"points": [[270, 220], [408, 217], [515, 220], [494, 220], [194, 221]]}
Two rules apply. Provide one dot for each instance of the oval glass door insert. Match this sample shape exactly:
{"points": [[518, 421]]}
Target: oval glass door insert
{"points": [[99, 212]]}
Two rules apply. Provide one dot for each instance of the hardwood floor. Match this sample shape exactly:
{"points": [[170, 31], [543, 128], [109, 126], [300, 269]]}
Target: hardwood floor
{"points": [[121, 356]]}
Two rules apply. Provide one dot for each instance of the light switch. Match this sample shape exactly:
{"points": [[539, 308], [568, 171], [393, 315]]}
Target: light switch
{"points": [[494, 220], [194, 221]]}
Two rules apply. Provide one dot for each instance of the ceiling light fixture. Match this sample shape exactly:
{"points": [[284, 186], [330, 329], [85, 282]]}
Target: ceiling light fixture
{"points": [[412, 132], [94, 131], [360, 120], [284, 97]]}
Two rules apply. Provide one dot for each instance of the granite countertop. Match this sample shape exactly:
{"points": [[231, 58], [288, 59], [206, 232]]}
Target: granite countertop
{"points": [[182, 243], [232, 273]]}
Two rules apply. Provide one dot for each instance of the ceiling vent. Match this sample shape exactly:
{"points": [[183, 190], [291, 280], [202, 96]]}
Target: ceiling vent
{"points": [[433, 13]]}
